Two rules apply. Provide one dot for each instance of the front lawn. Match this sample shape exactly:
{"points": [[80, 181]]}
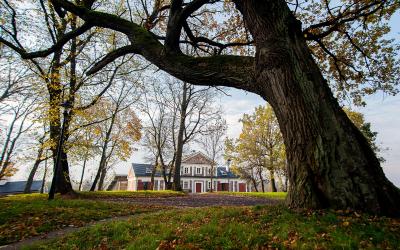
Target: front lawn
{"points": [[237, 228], [23, 216]]}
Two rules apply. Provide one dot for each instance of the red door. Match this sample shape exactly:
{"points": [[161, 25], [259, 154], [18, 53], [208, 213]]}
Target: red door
{"points": [[198, 187], [242, 187]]}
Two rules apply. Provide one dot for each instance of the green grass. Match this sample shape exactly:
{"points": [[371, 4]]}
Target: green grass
{"points": [[23, 216], [237, 228], [130, 194], [269, 195]]}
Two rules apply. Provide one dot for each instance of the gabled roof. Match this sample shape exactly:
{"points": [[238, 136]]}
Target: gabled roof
{"points": [[197, 158], [18, 187], [144, 169]]}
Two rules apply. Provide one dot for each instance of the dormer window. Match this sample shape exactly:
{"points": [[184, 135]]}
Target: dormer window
{"points": [[148, 171]]}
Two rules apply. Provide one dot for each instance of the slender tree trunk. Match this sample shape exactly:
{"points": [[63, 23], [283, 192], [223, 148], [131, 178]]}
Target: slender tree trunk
{"points": [[179, 151], [102, 178], [253, 180], [83, 172], [272, 178], [103, 159], [261, 180], [44, 175], [280, 183], [38, 160], [153, 173], [331, 163], [212, 175]]}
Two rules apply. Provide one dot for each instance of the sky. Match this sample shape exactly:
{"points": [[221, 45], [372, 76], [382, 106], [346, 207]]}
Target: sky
{"points": [[383, 112]]}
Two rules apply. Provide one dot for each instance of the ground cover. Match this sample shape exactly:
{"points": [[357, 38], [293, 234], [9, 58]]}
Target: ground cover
{"points": [[23, 216], [237, 228]]}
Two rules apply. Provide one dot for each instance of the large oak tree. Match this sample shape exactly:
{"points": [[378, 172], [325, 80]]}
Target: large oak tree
{"points": [[331, 163]]}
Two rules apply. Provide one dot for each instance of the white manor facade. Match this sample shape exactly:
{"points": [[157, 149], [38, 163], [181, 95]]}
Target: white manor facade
{"points": [[195, 177]]}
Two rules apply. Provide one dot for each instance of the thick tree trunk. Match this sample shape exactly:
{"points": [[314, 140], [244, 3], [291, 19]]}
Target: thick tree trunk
{"points": [[63, 183], [331, 163]]}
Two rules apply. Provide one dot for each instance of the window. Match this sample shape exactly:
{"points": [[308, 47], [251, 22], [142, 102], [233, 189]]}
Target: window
{"points": [[198, 170], [186, 170], [148, 171], [209, 171], [209, 185], [185, 185]]}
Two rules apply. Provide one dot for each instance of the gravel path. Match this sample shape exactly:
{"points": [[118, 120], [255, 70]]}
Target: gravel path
{"points": [[200, 200]]}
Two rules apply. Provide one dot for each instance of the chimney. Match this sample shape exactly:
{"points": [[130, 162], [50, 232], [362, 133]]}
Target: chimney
{"points": [[228, 164]]}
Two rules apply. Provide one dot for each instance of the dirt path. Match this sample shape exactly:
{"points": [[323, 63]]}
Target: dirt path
{"points": [[191, 200]]}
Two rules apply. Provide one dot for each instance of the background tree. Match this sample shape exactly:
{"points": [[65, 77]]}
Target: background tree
{"points": [[64, 74], [178, 113], [212, 143], [42, 146], [18, 125], [259, 145], [119, 132]]}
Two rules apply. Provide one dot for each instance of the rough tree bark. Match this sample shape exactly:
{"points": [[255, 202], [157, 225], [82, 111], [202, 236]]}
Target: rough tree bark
{"points": [[330, 162]]}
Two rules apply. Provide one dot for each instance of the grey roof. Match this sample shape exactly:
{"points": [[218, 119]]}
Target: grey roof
{"points": [[18, 187], [222, 173], [144, 170]]}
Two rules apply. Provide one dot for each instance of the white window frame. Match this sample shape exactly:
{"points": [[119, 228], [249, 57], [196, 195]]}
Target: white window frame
{"points": [[198, 170]]}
